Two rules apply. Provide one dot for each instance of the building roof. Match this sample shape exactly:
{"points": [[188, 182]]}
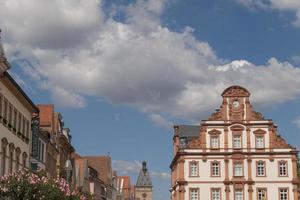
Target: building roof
{"points": [[18, 92], [144, 179], [103, 166], [187, 130]]}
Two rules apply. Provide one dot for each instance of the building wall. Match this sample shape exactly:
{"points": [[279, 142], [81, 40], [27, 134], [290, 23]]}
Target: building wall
{"points": [[224, 124], [11, 136]]}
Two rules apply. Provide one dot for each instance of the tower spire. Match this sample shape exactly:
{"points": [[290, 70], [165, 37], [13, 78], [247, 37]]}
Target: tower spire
{"points": [[4, 65]]}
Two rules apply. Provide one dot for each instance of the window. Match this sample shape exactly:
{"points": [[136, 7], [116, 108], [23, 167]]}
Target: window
{"points": [[23, 128], [27, 128], [5, 110], [238, 169], [214, 142], [19, 120], [11, 156], [238, 195], [194, 194], [259, 142], [24, 158], [261, 194], [15, 119], [237, 141], [215, 168], [283, 194], [215, 194], [18, 152], [194, 168], [3, 160], [282, 168], [10, 112], [260, 168]]}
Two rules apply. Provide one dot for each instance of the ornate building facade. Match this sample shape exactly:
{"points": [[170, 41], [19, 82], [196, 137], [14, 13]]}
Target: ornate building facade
{"points": [[143, 188], [236, 154]]}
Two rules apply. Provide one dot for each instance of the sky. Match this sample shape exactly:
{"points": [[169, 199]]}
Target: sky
{"points": [[122, 72]]}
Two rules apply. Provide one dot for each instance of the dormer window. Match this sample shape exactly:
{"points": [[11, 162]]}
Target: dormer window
{"points": [[182, 142]]}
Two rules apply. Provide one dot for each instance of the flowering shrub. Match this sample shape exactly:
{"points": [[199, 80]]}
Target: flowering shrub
{"points": [[26, 185]]}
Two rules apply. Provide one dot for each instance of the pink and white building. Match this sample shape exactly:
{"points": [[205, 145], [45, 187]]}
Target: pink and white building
{"points": [[236, 154]]}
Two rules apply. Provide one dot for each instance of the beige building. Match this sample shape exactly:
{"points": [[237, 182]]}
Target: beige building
{"points": [[143, 189], [236, 154], [16, 110]]}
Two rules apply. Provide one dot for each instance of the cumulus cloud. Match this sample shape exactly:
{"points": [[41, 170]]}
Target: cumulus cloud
{"points": [[281, 5], [135, 62]]}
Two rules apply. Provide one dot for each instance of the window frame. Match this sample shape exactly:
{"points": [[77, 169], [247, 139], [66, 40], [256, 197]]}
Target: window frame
{"points": [[286, 168], [283, 188], [266, 192], [211, 193], [242, 167], [237, 134], [234, 193], [197, 190], [212, 167], [190, 168], [263, 141], [264, 169]]}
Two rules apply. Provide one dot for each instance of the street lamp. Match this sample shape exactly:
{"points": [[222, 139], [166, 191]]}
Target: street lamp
{"points": [[68, 169]]}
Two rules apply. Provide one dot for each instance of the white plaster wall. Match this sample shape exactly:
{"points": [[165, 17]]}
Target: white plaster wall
{"points": [[205, 190], [204, 170], [272, 170], [272, 190]]}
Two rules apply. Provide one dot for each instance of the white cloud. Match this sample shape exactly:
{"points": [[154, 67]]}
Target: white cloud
{"points": [[296, 59], [281, 5], [143, 65], [160, 121], [124, 167], [297, 122], [161, 175]]}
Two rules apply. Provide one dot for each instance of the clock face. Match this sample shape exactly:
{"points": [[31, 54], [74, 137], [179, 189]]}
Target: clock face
{"points": [[236, 104]]}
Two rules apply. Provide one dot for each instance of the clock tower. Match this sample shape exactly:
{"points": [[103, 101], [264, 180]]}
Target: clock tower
{"points": [[143, 187]]}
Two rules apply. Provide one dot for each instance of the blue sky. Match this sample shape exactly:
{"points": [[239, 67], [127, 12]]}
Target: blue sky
{"points": [[122, 72]]}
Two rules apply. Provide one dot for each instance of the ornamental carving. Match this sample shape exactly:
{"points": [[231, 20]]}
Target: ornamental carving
{"points": [[194, 143], [214, 132], [216, 116], [257, 116], [259, 132], [236, 91], [237, 128]]}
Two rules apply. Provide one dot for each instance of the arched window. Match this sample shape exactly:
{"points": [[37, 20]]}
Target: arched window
{"points": [[18, 152], [24, 159], [11, 157], [3, 156]]}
